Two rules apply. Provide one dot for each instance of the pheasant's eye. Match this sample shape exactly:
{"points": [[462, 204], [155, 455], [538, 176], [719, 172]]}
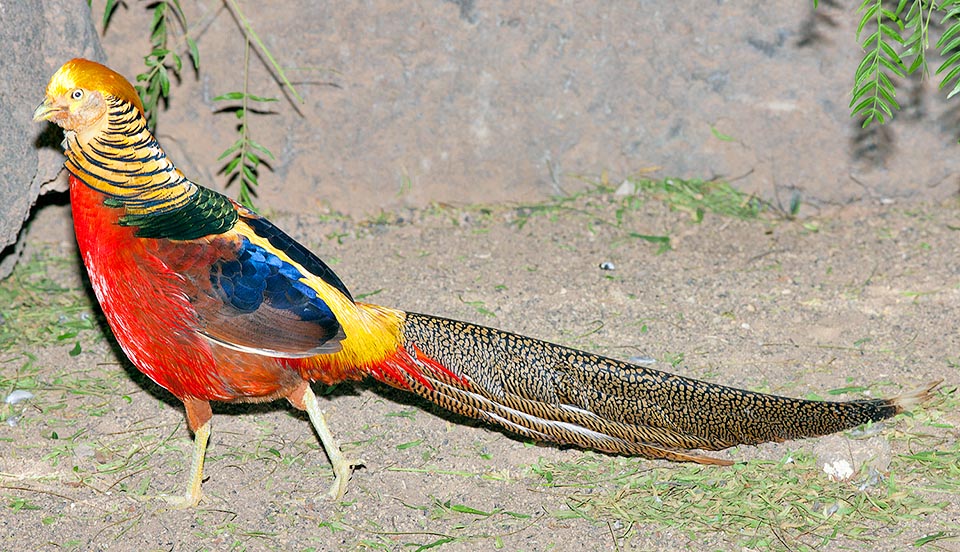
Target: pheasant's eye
{"points": [[76, 94]]}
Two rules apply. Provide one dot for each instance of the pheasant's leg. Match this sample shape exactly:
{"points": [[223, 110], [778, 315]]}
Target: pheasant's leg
{"points": [[198, 418], [341, 466], [194, 493]]}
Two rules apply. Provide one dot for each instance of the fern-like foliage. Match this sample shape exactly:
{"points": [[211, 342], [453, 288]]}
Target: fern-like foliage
{"points": [[245, 155], [949, 46], [153, 84], [874, 95], [917, 24], [896, 46]]}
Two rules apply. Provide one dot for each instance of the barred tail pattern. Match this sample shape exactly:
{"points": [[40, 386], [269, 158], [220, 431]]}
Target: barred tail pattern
{"points": [[552, 393]]}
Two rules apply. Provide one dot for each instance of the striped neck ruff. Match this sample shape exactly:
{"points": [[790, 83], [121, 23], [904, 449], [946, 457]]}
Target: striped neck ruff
{"points": [[126, 163]]}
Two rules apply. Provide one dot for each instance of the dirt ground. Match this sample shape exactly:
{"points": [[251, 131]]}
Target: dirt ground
{"points": [[865, 298]]}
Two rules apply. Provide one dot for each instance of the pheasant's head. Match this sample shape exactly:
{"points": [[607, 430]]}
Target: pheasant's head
{"points": [[77, 93]]}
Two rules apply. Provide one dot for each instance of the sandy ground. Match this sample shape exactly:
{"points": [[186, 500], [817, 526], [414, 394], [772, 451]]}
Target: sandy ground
{"points": [[862, 297]]}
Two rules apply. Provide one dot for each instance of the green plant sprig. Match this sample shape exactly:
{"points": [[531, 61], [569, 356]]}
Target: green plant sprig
{"points": [[245, 155], [896, 47], [873, 91], [153, 85], [949, 45], [252, 35]]}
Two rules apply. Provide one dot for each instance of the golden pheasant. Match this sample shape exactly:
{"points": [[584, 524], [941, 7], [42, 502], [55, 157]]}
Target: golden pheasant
{"points": [[215, 303]]}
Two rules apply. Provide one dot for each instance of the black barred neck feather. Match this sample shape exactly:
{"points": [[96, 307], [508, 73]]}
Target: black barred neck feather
{"points": [[126, 163]]}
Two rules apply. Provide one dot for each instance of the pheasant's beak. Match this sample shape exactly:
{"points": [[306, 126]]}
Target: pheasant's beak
{"points": [[45, 110]]}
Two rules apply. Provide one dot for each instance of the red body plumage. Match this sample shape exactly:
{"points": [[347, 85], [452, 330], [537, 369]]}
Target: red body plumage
{"points": [[140, 284], [161, 338], [140, 297]]}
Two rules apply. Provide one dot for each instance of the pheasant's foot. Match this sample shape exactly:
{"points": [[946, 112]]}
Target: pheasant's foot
{"points": [[341, 466], [342, 469], [181, 502]]}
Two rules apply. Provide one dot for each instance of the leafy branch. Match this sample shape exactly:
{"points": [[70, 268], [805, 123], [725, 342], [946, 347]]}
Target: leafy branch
{"points": [[252, 35], [153, 85], [873, 91], [897, 46], [245, 155], [950, 42]]}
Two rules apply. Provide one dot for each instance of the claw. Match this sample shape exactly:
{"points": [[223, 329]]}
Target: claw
{"points": [[341, 474], [181, 502]]}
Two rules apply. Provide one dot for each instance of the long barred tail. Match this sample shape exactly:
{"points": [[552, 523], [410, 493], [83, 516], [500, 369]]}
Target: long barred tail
{"points": [[553, 393]]}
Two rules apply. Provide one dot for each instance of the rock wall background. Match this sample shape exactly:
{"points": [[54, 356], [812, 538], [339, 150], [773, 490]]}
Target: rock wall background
{"points": [[37, 36], [413, 102]]}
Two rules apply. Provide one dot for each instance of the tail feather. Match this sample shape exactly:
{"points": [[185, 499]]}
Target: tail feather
{"points": [[552, 393], [550, 423], [915, 397]]}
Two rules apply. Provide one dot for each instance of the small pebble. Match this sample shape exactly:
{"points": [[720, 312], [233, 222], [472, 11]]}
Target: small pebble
{"points": [[841, 470], [625, 188], [18, 396]]}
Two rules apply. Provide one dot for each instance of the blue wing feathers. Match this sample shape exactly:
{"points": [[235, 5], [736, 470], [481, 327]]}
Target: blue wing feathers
{"points": [[259, 278], [257, 301], [300, 254]]}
